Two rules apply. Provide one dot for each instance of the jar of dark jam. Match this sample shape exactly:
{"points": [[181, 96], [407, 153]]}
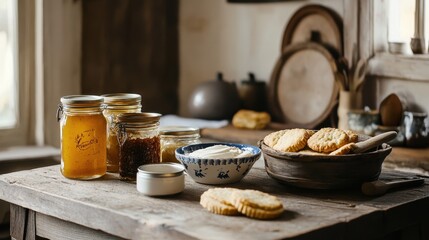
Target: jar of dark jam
{"points": [[139, 142]]}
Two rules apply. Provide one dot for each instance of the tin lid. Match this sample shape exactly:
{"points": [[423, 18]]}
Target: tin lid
{"points": [[178, 131], [83, 101], [121, 99], [161, 170], [144, 117]]}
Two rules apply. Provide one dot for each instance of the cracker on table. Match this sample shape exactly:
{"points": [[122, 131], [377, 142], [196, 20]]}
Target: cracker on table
{"points": [[259, 213], [214, 205], [349, 147], [292, 140], [327, 140], [221, 194], [257, 204], [256, 199]]}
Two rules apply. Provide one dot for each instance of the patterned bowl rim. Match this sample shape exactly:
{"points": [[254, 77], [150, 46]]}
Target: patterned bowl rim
{"points": [[180, 154]]}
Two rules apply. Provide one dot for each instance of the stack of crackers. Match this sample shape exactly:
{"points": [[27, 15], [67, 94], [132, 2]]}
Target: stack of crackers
{"points": [[332, 141], [251, 203]]}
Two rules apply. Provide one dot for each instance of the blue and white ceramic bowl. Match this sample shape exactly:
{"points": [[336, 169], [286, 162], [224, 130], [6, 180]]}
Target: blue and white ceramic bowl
{"points": [[217, 171]]}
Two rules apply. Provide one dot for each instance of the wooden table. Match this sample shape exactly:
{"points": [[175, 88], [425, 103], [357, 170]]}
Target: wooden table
{"points": [[46, 204]]}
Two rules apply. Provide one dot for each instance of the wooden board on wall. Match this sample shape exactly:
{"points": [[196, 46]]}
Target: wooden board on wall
{"points": [[132, 46]]}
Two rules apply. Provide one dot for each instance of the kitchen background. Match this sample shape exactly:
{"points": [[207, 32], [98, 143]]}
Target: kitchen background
{"points": [[164, 49]]}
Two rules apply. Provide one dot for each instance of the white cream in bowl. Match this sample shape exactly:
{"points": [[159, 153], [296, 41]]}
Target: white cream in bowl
{"points": [[220, 152]]}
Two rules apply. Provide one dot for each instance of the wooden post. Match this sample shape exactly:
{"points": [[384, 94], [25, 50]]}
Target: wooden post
{"points": [[22, 223]]}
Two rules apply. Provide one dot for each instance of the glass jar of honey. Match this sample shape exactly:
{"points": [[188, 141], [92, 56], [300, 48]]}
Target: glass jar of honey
{"points": [[83, 136], [139, 142], [173, 137], [117, 103]]}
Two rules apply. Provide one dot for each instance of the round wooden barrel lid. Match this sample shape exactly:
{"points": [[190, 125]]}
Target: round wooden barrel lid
{"points": [[302, 88], [314, 18]]}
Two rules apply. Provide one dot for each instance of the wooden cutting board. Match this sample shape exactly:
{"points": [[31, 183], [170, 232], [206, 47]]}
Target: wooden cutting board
{"points": [[303, 89], [238, 135], [314, 18]]}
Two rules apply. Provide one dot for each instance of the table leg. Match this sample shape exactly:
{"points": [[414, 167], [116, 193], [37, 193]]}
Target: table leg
{"points": [[22, 223]]}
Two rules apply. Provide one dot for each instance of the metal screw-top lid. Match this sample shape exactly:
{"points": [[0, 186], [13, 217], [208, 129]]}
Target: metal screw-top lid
{"points": [[81, 101], [178, 131], [135, 118], [121, 99]]}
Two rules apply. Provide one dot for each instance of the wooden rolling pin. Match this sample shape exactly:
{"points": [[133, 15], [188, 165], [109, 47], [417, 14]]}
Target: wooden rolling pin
{"points": [[373, 142], [366, 145]]}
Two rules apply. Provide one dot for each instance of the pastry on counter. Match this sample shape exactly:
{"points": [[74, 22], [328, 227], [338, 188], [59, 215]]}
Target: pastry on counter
{"points": [[251, 119]]}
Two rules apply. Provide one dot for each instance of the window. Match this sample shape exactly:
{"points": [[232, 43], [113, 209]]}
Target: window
{"points": [[16, 71], [8, 64], [405, 21], [391, 21]]}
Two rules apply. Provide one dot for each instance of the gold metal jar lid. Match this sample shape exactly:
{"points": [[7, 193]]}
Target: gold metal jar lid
{"points": [[136, 118], [81, 101], [121, 99], [178, 131]]}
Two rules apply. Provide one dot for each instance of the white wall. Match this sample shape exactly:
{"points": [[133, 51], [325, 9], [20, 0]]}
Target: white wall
{"points": [[233, 38], [414, 94]]}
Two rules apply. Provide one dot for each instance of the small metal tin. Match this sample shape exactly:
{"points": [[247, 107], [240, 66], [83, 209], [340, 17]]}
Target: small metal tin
{"points": [[160, 179]]}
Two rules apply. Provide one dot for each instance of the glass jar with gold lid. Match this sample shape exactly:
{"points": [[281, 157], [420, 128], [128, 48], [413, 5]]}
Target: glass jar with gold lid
{"points": [[173, 137], [117, 103], [83, 136]]}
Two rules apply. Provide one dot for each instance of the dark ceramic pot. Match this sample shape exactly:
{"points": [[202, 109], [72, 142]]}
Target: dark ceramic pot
{"points": [[253, 94], [215, 100]]}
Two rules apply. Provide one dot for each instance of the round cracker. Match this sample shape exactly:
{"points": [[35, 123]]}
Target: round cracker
{"points": [[353, 137], [272, 138], [217, 206], [292, 140], [259, 213], [255, 199], [327, 140], [344, 149]]}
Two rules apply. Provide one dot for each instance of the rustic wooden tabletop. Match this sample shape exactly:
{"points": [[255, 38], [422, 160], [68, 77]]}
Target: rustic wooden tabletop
{"points": [[116, 208]]}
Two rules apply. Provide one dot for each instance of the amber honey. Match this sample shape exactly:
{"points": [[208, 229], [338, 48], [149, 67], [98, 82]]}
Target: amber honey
{"points": [[117, 103], [83, 138]]}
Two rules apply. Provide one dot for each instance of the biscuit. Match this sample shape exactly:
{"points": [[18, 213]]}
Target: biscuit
{"points": [[250, 119], [259, 213], [215, 203], [256, 199], [256, 204], [292, 140], [353, 137], [327, 140], [272, 138], [349, 147], [307, 151]]}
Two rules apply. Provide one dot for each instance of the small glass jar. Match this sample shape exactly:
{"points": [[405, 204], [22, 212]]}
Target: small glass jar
{"points": [[175, 137], [117, 103], [139, 142], [83, 136]]}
